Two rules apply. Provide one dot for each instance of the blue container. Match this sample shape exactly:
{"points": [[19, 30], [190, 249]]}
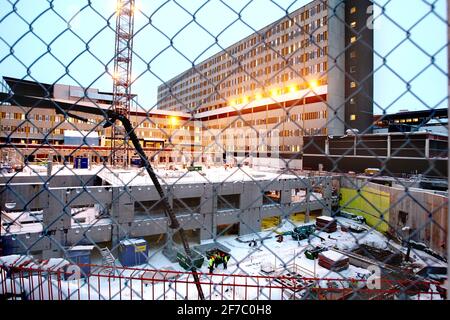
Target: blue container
{"points": [[133, 252], [76, 163], [136, 162], [84, 163], [81, 163], [9, 245], [80, 255]]}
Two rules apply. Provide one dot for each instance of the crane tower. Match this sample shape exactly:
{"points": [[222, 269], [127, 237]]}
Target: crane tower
{"points": [[122, 97]]}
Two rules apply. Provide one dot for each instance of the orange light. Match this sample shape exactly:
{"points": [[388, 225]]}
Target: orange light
{"points": [[313, 84], [173, 121], [274, 92], [292, 88], [258, 96]]}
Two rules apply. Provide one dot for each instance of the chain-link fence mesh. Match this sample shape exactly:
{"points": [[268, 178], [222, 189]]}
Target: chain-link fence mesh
{"points": [[224, 149]]}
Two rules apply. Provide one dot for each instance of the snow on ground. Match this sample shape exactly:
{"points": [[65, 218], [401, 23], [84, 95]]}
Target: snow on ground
{"points": [[285, 257], [217, 174]]}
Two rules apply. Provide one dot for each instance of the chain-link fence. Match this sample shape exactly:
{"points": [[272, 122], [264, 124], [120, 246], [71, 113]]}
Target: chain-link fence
{"points": [[224, 149]]}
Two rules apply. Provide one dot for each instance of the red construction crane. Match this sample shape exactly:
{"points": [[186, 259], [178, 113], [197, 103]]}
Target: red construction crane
{"points": [[120, 149]]}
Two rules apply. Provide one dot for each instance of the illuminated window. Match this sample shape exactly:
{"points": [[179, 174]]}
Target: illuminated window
{"points": [[353, 10], [353, 39], [353, 117], [352, 69], [353, 84], [352, 101], [353, 24]]}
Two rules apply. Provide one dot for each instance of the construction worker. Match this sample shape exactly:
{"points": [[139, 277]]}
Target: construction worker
{"points": [[211, 264], [225, 258], [217, 259]]}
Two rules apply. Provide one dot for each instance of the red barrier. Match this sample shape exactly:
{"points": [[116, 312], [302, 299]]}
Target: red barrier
{"points": [[148, 284]]}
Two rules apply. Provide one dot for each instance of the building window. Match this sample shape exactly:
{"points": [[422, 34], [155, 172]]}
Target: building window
{"points": [[402, 217], [352, 84], [353, 39], [353, 54], [352, 101], [353, 10], [353, 117], [352, 69], [353, 24]]}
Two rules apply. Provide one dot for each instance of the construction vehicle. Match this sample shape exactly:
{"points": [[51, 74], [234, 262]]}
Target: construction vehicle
{"points": [[313, 254], [303, 232], [190, 263], [194, 168]]}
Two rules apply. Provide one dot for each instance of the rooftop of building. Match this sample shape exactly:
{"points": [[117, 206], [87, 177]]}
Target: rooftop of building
{"points": [[404, 114], [228, 48]]}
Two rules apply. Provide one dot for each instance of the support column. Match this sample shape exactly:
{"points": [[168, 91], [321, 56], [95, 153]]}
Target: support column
{"points": [[327, 194], [122, 211], [388, 153], [56, 221], [307, 200], [250, 204], [208, 210]]}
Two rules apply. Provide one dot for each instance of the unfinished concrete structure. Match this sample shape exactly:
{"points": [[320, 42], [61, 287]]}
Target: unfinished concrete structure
{"points": [[115, 210]]}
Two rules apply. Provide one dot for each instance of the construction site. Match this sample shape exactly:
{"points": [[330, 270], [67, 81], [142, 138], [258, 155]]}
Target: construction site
{"points": [[276, 197]]}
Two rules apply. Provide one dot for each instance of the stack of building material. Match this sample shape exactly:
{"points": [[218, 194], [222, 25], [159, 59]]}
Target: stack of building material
{"points": [[326, 224], [333, 260]]}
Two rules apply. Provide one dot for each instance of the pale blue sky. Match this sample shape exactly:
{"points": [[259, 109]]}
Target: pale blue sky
{"points": [[79, 55]]}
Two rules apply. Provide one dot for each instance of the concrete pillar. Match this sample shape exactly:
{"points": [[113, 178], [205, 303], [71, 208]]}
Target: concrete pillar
{"points": [[427, 148], [250, 203], [122, 213], [327, 193], [308, 199], [57, 214], [388, 153], [249, 221], [286, 196], [49, 165], [327, 146], [208, 209], [56, 221]]}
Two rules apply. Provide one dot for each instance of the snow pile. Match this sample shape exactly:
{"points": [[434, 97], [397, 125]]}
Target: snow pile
{"points": [[346, 245], [17, 260], [333, 255], [374, 241], [55, 263]]}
